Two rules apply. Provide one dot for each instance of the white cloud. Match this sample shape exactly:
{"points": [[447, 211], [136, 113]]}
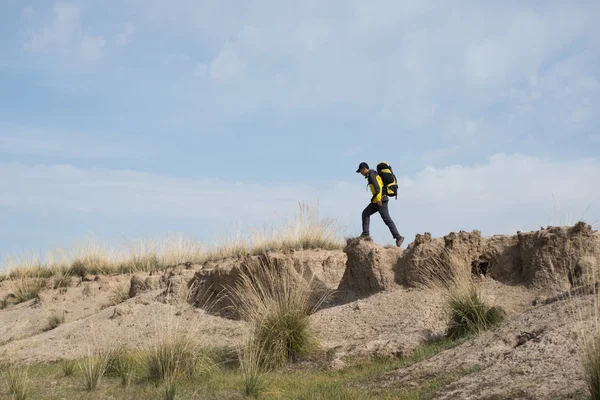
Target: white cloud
{"points": [[91, 47], [200, 70], [506, 191], [60, 32], [227, 64], [27, 140], [124, 37], [63, 33]]}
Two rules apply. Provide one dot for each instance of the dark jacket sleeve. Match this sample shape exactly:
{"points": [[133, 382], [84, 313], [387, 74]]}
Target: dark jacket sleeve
{"points": [[373, 181]]}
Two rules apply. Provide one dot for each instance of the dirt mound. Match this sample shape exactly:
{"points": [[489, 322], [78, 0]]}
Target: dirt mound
{"points": [[548, 255], [211, 285], [369, 269], [501, 259], [541, 259], [533, 355], [393, 322]]}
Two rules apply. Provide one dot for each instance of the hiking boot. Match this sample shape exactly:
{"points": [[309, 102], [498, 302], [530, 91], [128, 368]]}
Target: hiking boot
{"points": [[365, 236], [399, 241]]}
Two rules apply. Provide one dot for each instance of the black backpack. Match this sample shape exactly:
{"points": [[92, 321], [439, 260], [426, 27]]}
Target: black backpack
{"points": [[390, 183]]}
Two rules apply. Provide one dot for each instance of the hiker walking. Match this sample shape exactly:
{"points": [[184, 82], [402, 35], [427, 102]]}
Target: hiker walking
{"points": [[381, 190]]}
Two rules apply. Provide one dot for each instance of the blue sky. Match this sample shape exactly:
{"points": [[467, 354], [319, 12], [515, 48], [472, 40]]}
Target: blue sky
{"points": [[147, 117]]}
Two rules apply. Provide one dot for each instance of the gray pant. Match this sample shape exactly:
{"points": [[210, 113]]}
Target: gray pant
{"points": [[371, 209]]}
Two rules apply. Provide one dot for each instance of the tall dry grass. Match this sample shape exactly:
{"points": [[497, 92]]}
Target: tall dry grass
{"points": [[18, 382], [175, 352], [305, 230], [469, 313], [278, 303], [251, 367], [93, 368]]}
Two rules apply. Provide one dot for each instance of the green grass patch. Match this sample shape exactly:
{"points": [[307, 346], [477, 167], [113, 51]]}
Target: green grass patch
{"points": [[356, 381], [471, 315]]}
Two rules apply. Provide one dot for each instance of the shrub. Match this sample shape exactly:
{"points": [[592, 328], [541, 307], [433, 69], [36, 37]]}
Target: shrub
{"points": [[278, 305]]}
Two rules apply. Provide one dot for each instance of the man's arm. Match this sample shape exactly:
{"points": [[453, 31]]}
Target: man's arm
{"points": [[376, 188]]}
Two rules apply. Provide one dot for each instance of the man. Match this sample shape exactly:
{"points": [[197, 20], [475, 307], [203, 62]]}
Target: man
{"points": [[379, 203]]}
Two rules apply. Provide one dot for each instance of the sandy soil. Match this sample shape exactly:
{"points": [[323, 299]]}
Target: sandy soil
{"points": [[507, 363]]}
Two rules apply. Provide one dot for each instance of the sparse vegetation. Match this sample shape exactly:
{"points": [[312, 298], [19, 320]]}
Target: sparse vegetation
{"points": [[55, 319], [250, 366], [170, 390], [278, 304], [305, 231], [356, 381], [68, 367], [470, 314], [18, 382], [120, 293], [93, 369], [25, 287], [121, 363], [451, 276], [176, 354]]}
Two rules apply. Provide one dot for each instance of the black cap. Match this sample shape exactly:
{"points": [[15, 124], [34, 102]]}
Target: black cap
{"points": [[362, 165]]}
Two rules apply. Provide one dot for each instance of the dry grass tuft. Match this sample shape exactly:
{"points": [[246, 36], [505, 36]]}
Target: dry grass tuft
{"points": [[119, 293], [93, 368], [25, 287], [17, 382], [278, 303], [450, 275], [305, 230], [177, 249], [121, 362], [68, 367], [251, 367], [174, 354], [55, 319], [170, 390]]}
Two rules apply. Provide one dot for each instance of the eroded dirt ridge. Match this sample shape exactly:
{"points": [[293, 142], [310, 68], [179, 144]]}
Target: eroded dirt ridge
{"points": [[551, 258], [375, 309]]}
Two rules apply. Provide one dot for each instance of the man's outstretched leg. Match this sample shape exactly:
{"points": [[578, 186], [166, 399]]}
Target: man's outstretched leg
{"points": [[385, 215], [366, 218]]}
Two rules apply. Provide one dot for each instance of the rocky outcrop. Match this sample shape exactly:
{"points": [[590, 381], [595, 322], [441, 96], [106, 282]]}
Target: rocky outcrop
{"points": [[137, 286], [501, 259], [549, 256], [177, 281], [425, 249], [211, 285], [422, 250], [369, 269]]}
